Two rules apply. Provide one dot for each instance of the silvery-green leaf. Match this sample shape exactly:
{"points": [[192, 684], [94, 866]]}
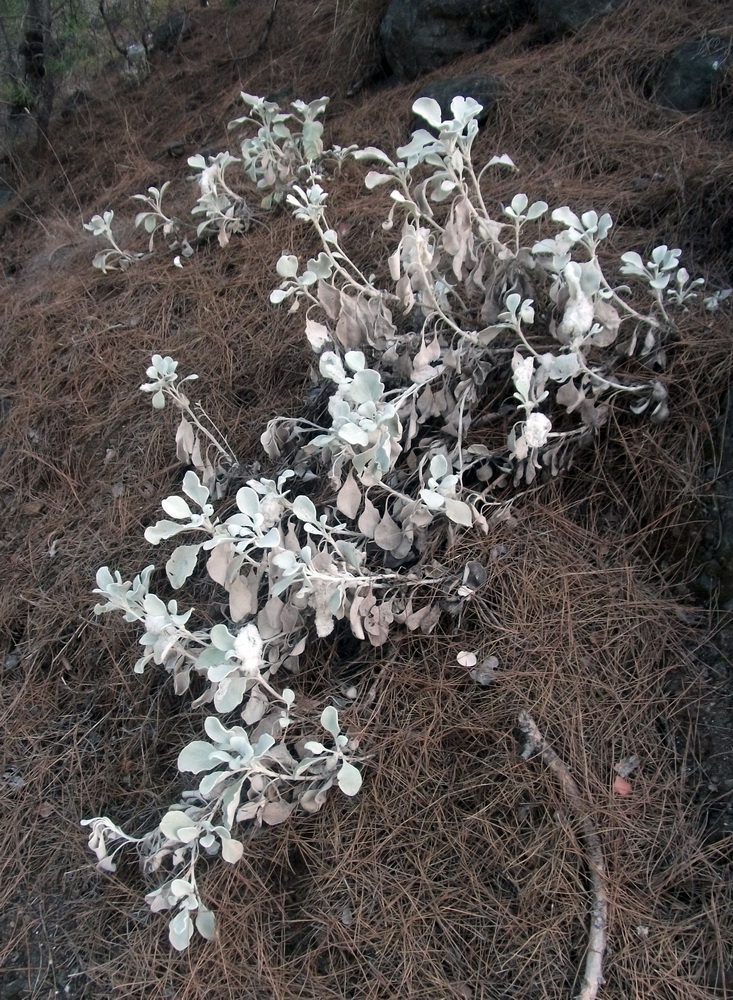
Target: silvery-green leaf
{"points": [[567, 218], [304, 509], [590, 277], [633, 264], [355, 360], [464, 109], [230, 798], [349, 779], [562, 366], [182, 564], [263, 744], [317, 333], [155, 533], [512, 303], [350, 553], [211, 781], [604, 224], [422, 144], [639, 405], [459, 512], [504, 161], [353, 434], [278, 295], [536, 209], [180, 887], [467, 659], [371, 153], [660, 281], [321, 265], [431, 499], [230, 693], [216, 731], [180, 930], [231, 850], [374, 179], [248, 501], [158, 398], [193, 488], [366, 386], [196, 757], [271, 539], [438, 466], [526, 312], [221, 637], [257, 705], [330, 367], [429, 109], [518, 204], [330, 721], [205, 924], [218, 671], [313, 746], [659, 413], [172, 822]]}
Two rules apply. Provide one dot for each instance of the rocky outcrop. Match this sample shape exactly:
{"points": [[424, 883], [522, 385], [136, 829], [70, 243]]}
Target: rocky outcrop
{"points": [[420, 35], [174, 29], [559, 17], [693, 73]]}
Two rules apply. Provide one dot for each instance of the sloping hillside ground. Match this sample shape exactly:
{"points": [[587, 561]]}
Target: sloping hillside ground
{"points": [[459, 871]]}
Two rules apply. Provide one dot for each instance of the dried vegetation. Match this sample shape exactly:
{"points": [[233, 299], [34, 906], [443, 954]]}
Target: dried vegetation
{"points": [[459, 871]]}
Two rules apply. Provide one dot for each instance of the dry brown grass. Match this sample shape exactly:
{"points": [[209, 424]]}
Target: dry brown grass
{"points": [[460, 864]]}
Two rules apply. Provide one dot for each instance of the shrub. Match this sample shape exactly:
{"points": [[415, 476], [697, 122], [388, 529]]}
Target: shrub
{"points": [[483, 326]]}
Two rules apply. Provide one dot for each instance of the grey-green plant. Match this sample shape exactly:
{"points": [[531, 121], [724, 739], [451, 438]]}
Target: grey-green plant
{"points": [[114, 258], [491, 318], [287, 149]]}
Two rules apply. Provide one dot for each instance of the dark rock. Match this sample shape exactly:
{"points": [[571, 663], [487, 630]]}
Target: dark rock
{"points": [[420, 35], [482, 88], [558, 17], [170, 32], [692, 74]]}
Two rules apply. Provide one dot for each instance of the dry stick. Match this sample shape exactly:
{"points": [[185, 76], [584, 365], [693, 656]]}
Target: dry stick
{"points": [[268, 26], [536, 743]]}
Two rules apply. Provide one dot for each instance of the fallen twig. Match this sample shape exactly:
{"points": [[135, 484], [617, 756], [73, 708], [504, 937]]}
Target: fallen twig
{"points": [[268, 25], [536, 743]]}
